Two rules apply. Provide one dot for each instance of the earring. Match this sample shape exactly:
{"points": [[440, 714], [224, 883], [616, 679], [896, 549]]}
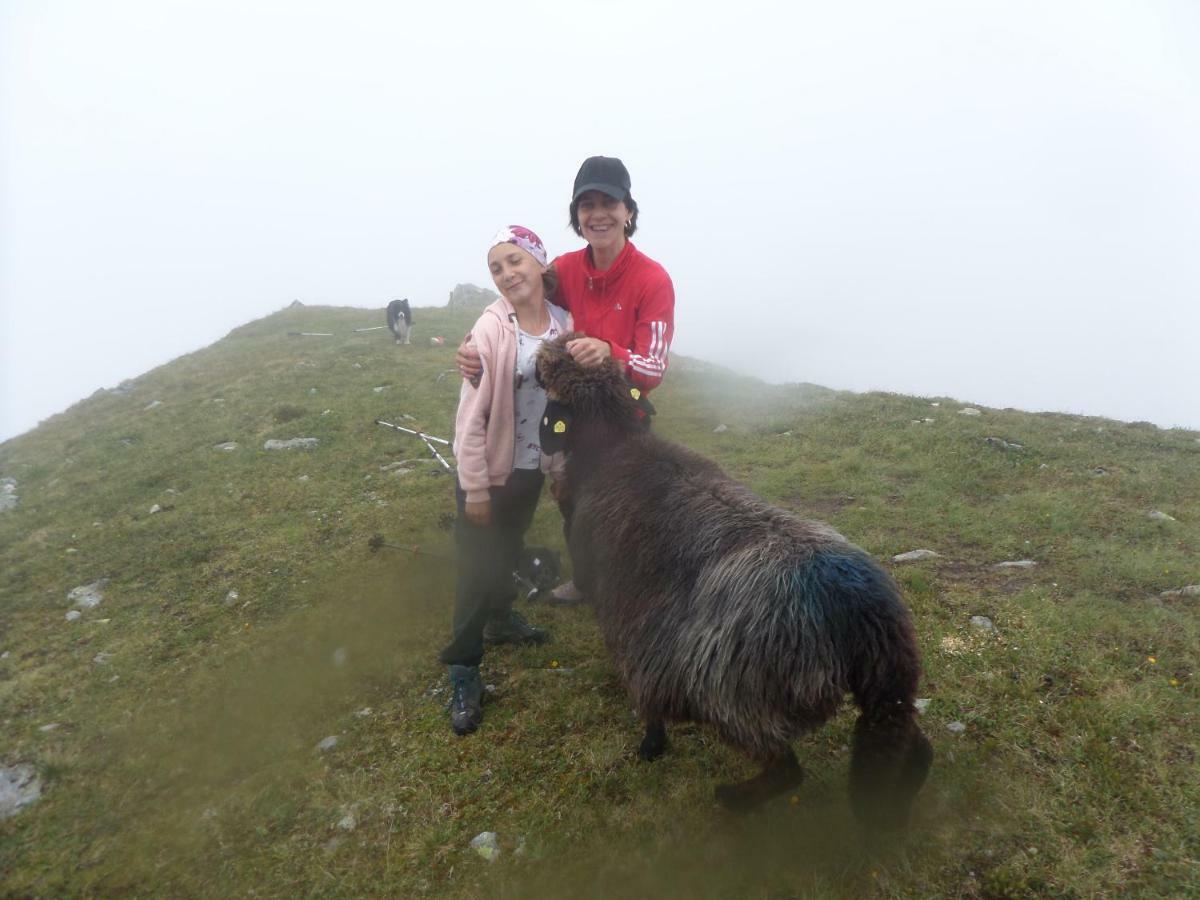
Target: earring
{"points": [[628, 224]]}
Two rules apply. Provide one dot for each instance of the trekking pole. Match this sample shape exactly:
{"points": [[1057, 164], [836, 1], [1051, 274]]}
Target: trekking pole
{"points": [[377, 542], [372, 328], [427, 438]]}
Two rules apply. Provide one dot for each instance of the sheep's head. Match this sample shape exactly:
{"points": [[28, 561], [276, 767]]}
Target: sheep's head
{"points": [[590, 393]]}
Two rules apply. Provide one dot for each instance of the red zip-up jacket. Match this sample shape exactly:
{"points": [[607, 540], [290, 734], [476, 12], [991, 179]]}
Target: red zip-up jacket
{"points": [[631, 305]]}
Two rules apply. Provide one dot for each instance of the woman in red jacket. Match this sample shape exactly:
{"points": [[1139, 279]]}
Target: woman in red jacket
{"points": [[619, 297]]}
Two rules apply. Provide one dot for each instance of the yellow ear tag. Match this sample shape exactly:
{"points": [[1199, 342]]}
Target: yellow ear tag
{"points": [[560, 426], [635, 393]]}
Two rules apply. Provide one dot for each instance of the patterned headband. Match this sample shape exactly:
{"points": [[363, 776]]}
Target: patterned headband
{"points": [[523, 238]]}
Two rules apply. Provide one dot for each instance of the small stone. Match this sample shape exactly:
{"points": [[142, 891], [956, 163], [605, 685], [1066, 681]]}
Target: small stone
{"points": [[312, 391], [301, 443], [921, 705], [969, 411], [348, 822], [327, 744], [101, 659], [956, 727], [230, 598], [340, 656], [302, 478], [151, 405], [226, 445], [326, 412], [155, 509], [486, 845], [935, 403], [363, 713], [1015, 564], [73, 614], [984, 624], [1161, 516], [380, 389], [721, 429], [914, 555], [49, 726]]}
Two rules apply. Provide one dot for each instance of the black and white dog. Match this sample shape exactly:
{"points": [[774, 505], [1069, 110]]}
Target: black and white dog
{"points": [[399, 320]]}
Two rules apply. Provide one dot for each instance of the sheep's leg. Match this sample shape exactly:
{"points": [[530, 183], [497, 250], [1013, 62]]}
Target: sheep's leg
{"points": [[778, 775], [654, 744]]}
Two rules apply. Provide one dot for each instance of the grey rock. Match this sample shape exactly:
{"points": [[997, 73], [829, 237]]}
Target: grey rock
{"points": [[151, 405], [486, 845], [956, 727], [8, 494], [921, 705], [1161, 516], [969, 411], [155, 509], [984, 624], [73, 614], [226, 445], [1191, 590], [468, 296], [87, 596], [327, 744], [1015, 564], [19, 787], [380, 389], [721, 429], [348, 822], [363, 713], [230, 598], [49, 726], [1002, 444], [300, 443], [101, 659], [914, 555]]}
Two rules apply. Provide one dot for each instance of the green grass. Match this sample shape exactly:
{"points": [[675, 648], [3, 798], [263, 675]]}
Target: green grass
{"points": [[185, 765]]}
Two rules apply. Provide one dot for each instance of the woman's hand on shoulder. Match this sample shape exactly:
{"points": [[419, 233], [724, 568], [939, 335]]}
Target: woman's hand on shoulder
{"points": [[589, 352], [470, 366]]}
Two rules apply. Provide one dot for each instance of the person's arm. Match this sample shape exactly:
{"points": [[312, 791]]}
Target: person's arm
{"points": [[645, 363], [470, 429]]}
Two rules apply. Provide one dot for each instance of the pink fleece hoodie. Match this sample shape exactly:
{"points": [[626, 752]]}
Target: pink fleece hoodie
{"points": [[485, 426]]}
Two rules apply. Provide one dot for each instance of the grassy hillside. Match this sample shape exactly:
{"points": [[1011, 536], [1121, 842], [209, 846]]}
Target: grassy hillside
{"points": [[175, 726]]}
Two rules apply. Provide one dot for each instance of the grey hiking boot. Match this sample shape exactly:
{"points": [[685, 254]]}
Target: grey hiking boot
{"points": [[466, 702], [511, 628]]}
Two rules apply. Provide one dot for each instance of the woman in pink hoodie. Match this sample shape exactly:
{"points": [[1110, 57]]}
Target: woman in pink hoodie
{"points": [[499, 463]]}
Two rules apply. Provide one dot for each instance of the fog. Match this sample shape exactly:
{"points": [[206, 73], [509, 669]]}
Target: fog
{"points": [[997, 202]]}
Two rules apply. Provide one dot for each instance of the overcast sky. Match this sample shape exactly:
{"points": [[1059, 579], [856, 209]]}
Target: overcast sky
{"points": [[996, 201]]}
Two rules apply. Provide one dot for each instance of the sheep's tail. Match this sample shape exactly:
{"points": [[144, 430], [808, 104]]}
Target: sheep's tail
{"points": [[891, 757]]}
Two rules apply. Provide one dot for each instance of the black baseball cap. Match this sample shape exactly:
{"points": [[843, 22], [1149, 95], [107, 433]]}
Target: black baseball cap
{"points": [[602, 173]]}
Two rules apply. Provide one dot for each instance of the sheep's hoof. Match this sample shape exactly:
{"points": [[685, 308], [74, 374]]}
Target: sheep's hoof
{"points": [[777, 776], [654, 744]]}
